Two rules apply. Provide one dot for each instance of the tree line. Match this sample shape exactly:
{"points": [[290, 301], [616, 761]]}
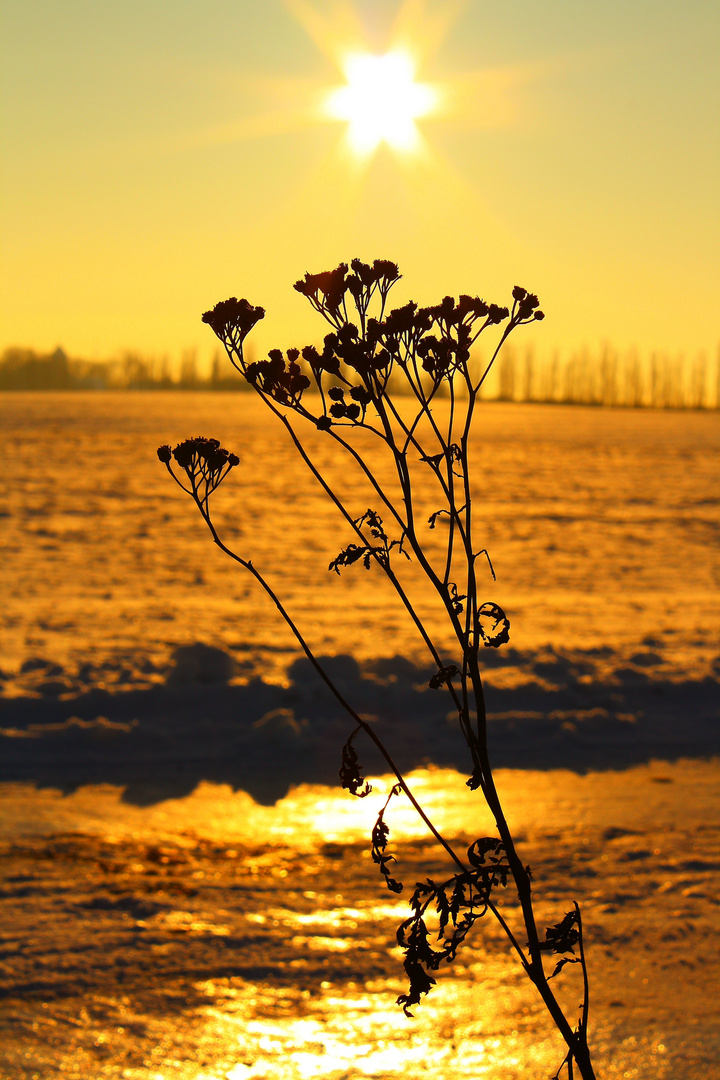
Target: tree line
{"points": [[605, 378], [26, 369]]}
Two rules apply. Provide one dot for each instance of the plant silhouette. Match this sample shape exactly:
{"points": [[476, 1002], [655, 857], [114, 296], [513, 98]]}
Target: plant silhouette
{"points": [[378, 375]]}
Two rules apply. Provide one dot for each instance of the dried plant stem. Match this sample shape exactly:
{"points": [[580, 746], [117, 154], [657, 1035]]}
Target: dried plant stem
{"points": [[430, 347], [247, 564]]}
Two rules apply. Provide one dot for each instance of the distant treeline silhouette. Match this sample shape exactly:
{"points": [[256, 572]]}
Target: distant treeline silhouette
{"points": [[24, 369], [605, 378]]}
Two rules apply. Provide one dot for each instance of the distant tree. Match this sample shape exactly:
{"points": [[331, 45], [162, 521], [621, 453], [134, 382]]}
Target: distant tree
{"points": [[189, 378], [23, 369]]}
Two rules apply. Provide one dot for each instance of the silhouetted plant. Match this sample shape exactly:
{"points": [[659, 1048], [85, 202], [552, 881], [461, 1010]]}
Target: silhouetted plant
{"points": [[343, 387]]}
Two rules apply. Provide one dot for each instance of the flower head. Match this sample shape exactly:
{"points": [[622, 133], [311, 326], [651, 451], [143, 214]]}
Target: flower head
{"points": [[205, 462], [232, 320]]}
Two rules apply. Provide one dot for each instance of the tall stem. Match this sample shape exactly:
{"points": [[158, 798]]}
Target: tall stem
{"points": [[247, 564], [406, 350]]}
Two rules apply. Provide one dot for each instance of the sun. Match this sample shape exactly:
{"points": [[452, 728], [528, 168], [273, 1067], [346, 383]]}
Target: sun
{"points": [[381, 101]]}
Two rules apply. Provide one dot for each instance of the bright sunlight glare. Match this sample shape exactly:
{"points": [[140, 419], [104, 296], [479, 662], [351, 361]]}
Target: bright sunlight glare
{"points": [[381, 101]]}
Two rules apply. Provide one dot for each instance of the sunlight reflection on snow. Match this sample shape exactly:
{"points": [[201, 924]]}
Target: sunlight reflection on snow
{"points": [[475, 1029], [460, 1036]]}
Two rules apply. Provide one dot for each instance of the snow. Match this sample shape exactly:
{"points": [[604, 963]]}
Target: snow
{"points": [[186, 892]]}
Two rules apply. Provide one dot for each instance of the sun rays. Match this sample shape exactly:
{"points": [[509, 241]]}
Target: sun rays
{"points": [[381, 97], [370, 123], [381, 101], [381, 93]]}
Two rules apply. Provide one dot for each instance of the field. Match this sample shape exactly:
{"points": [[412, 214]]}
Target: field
{"points": [[186, 892]]}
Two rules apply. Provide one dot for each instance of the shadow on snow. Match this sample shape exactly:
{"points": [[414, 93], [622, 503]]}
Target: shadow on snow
{"points": [[160, 741]]}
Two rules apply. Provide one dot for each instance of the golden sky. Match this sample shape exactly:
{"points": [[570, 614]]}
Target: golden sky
{"points": [[161, 155]]}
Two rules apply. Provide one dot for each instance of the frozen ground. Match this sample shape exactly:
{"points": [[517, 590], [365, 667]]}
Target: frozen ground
{"points": [[184, 894], [210, 938]]}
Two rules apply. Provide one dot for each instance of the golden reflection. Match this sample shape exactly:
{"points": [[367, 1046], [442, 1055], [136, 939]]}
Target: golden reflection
{"points": [[320, 943], [299, 979], [362, 1034]]}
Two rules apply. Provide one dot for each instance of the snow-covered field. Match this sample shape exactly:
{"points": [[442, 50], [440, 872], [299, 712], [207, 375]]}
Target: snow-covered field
{"points": [[186, 893]]}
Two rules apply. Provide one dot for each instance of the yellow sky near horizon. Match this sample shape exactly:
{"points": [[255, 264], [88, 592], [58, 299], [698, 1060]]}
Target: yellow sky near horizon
{"points": [[160, 156]]}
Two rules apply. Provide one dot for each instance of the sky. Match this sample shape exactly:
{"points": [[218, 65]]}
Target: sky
{"points": [[161, 155]]}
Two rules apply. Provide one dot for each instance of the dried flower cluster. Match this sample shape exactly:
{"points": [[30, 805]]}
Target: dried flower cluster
{"points": [[431, 341], [232, 320], [204, 462]]}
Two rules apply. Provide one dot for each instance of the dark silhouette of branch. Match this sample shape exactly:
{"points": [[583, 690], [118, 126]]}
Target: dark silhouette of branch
{"points": [[346, 387]]}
